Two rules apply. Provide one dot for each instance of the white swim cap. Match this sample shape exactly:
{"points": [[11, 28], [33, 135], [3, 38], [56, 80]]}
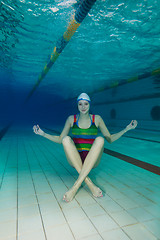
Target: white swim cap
{"points": [[83, 96]]}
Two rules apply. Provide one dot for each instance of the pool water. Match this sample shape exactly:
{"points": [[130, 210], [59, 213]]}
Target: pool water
{"points": [[114, 57]]}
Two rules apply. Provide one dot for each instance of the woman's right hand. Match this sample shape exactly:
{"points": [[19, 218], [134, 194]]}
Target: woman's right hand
{"points": [[37, 130]]}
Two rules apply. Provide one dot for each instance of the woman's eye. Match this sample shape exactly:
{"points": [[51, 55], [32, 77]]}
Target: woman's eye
{"points": [[86, 104]]}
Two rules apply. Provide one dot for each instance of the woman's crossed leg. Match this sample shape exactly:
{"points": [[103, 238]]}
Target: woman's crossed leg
{"points": [[92, 160]]}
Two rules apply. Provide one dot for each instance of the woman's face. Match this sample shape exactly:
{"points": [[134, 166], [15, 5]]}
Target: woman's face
{"points": [[83, 106]]}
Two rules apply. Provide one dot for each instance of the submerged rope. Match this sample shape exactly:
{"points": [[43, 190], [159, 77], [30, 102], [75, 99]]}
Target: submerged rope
{"points": [[78, 17]]}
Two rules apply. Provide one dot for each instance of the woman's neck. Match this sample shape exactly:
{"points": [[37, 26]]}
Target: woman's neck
{"points": [[84, 116]]}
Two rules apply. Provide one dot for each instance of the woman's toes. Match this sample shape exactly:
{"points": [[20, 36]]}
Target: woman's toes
{"points": [[65, 198]]}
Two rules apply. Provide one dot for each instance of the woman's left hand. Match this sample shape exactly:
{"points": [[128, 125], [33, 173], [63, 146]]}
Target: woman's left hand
{"points": [[132, 125]]}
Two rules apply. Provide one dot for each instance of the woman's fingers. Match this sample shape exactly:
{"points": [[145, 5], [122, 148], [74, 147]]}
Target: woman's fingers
{"points": [[35, 129], [134, 123]]}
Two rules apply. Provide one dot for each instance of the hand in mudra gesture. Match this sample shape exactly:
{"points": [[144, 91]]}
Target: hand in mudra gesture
{"points": [[132, 125], [37, 130]]}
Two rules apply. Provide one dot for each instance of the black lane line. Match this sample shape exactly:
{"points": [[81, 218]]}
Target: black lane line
{"points": [[147, 166]]}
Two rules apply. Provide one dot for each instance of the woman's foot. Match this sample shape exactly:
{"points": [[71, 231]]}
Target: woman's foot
{"points": [[70, 194], [96, 191]]}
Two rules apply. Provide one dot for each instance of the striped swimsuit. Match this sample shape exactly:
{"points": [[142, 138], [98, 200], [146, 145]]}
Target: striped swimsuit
{"points": [[84, 138]]}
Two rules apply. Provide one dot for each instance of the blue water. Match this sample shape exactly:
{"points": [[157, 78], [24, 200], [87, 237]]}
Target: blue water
{"points": [[114, 57], [116, 41]]}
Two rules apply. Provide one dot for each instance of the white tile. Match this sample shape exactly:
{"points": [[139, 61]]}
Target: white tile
{"points": [[47, 197], [140, 214], [47, 207], [115, 194], [29, 224], [131, 193], [70, 205], [35, 235], [138, 232], [84, 198], [154, 227], [8, 194], [153, 209], [9, 185], [28, 211], [24, 177], [123, 218], [154, 188], [142, 201], [111, 206], [116, 234], [143, 191], [74, 214], [26, 201], [127, 203], [114, 178], [10, 238], [104, 198], [59, 232], [104, 223], [8, 229], [25, 194], [43, 189], [92, 237], [154, 197], [82, 229], [10, 215], [25, 188], [94, 210], [8, 204], [53, 219]]}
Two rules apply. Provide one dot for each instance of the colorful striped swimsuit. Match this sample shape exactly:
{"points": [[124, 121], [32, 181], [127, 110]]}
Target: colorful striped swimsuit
{"points": [[84, 138]]}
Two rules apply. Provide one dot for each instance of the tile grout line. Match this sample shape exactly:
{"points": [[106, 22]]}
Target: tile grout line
{"points": [[75, 198], [35, 191], [45, 173], [7, 157], [100, 207], [17, 192], [51, 186], [96, 202]]}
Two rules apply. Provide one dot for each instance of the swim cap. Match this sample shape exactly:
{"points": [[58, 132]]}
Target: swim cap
{"points": [[83, 96]]}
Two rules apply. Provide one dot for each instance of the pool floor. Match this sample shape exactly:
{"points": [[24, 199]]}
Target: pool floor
{"points": [[34, 175]]}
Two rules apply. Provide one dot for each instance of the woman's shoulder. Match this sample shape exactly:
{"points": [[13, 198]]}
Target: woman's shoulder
{"points": [[70, 119], [97, 117], [98, 120]]}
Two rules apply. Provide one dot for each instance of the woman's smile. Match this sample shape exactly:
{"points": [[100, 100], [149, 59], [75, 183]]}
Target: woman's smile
{"points": [[83, 106]]}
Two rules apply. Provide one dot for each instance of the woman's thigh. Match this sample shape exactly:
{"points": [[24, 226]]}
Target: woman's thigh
{"points": [[71, 151], [98, 146]]}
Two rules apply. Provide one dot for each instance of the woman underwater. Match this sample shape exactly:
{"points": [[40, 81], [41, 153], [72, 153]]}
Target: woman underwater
{"points": [[84, 150]]}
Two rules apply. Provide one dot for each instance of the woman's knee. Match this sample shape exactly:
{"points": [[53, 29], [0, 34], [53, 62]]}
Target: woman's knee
{"points": [[100, 141], [66, 140]]}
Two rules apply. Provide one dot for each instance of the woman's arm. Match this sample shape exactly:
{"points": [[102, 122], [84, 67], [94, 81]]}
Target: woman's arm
{"points": [[111, 138], [56, 139]]}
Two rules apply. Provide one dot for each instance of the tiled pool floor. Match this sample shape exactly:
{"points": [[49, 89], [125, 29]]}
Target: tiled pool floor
{"points": [[34, 175]]}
